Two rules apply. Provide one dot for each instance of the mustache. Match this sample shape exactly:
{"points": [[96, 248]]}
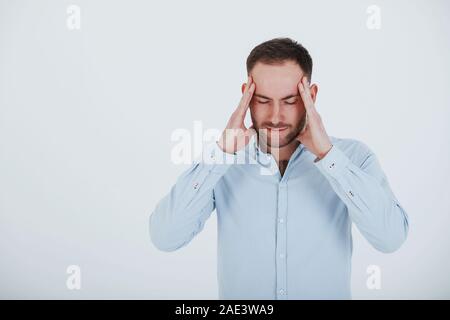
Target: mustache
{"points": [[282, 125]]}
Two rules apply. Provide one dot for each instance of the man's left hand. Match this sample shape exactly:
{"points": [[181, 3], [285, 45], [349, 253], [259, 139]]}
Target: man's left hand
{"points": [[313, 136]]}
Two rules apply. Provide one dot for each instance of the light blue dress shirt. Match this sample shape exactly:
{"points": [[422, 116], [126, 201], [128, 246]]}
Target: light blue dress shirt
{"points": [[283, 237]]}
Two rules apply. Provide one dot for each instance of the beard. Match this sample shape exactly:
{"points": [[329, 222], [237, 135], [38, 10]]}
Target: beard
{"points": [[283, 138]]}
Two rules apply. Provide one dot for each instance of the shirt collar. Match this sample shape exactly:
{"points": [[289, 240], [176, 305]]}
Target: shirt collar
{"points": [[264, 158]]}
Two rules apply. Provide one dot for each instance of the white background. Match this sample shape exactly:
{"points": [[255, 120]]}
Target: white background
{"points": [[86, 118]]}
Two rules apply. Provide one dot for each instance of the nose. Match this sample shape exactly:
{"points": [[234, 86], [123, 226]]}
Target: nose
{"points": [[275, 115]]}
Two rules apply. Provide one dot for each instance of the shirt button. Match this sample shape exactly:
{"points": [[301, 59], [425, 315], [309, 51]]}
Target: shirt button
{"points": [[196, 185], [281, 291], [281, 255], [332, 165], [350, 193], [281, 220]]}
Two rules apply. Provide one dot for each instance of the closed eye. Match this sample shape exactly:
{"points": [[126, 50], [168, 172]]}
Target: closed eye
{"points": [[287, 102]]}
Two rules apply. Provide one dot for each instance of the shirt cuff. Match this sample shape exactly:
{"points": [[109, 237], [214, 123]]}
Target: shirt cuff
{"points": [[333, 163], [213, 154]]}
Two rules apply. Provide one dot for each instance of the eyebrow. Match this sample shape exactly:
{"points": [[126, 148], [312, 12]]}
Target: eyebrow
{"points": [[285, 98]]}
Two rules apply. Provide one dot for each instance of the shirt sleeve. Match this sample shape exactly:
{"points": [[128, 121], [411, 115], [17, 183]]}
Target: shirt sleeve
{"points": [[182, 213], [371, 204]]}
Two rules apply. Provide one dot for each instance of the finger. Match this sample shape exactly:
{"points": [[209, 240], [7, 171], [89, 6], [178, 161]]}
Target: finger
{"points": [[247, 86], [305, 125], [305, 93], [306, 85], [247, 91], [249, 96], [246, 98], [249, 82]]}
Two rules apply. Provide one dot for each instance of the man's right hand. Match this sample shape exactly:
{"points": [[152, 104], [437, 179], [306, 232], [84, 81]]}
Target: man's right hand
{"points": [[236, 136]]}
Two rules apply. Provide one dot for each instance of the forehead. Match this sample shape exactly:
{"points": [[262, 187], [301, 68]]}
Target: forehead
{"points": [[276, 81]]}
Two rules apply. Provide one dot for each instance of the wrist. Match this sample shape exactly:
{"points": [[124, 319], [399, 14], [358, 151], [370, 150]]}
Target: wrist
{"points": [[223, 149], [322, 154]]}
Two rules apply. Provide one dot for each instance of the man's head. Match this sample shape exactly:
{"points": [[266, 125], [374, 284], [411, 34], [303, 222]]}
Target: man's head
{"points": [[277, 66]]}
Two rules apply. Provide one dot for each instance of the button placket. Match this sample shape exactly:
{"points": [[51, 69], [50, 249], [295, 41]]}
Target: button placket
{"points": [[281, 240]]}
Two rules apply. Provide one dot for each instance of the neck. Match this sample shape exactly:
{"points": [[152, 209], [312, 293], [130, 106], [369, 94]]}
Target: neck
{"points": [[283, 154]]}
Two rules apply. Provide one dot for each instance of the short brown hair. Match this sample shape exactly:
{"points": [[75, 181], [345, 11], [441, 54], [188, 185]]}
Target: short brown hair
{"points": [[278, 50]]}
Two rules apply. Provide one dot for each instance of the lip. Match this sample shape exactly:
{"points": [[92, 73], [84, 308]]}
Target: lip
{"points": [[276, 129]]}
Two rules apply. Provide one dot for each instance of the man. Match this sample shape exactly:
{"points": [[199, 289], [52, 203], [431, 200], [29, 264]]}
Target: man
{"points": [[285, 235]]}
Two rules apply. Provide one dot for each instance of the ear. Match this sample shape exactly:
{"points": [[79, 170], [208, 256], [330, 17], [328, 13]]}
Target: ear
{"points": [[243, 87], [314, 89]]}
